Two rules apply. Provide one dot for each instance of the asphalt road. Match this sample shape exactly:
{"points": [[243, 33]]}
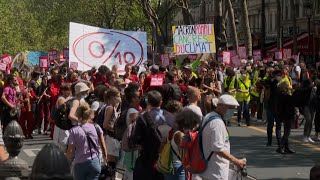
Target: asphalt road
{"points": [[249, 142]]}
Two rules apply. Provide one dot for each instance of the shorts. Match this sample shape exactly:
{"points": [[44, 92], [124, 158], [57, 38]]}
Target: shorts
{"points": [[60, 138]]}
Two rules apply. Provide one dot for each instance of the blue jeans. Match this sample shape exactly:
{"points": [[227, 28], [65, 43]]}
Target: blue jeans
{"points": [[88, 170], [179, 173], [244, 107], [271, 118]]}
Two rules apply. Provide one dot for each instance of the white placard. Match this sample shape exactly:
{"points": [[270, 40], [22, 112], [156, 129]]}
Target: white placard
{"points": [[92, 46]]}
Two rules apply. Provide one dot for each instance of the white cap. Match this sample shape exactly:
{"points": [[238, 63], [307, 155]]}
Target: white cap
{"points": [[80, 87], [228, 100]]}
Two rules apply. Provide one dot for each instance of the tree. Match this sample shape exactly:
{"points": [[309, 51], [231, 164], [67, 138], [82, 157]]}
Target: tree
{"points": [[185, 10], [246, 24], [294, 24], [233, 25]]}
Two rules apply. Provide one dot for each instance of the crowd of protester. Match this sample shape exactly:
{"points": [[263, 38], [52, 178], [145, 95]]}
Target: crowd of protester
{"points": [[99, 117]]}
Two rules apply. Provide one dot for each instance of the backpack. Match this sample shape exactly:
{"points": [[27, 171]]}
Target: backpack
{"points": [[193, 159], [60, 115], [100, 117], [120, 125], [165, 161], [175, 92]]}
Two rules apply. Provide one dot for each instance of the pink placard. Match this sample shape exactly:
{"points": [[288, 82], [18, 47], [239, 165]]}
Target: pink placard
{"points": [[156, 81], [61, 58], [235, 61], [233, 53], [52, 55], [65, 53], [278, 55], [43, 62], [257, 55], [3, 66], [165, 59], [226, 57], [73, 65], [192, 57], [287, 53], [242, 52], [6, 59]]}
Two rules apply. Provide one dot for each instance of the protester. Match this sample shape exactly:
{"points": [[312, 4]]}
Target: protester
{"points": [[26, 120], [60, 136], [43, 104], [216, 141], [243, 96], [194, 96], [84, 143], [10, 99]]}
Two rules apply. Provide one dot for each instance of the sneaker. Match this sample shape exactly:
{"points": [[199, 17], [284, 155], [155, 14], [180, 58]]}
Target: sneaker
{"points": [[307, 140]]}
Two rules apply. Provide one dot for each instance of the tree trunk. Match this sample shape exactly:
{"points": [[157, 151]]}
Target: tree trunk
{"points": [[263, 27], [224, 29], [246, 26], [217, 23], [279, 33], [187, 16], [233, 25], [294, 24]]}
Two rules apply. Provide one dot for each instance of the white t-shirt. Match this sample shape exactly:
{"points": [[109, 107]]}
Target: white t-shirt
{"points": [[293, 74], [196, 109], [215, 138]]}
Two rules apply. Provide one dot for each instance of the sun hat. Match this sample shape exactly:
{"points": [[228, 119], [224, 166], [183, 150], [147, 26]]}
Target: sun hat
{"points": [[228, 100], [80, 87], [119, 82]]}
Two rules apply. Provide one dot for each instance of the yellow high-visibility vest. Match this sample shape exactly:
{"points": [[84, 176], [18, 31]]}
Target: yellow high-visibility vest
{"points": [[231, 85], [245, 86]]}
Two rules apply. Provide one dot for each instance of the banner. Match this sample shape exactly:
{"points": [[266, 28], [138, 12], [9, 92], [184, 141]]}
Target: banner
{"points": [[6, 59], [194, 39], [65, 53], [3, 66], [43, 62], [242, 52], [73, 65], [257, 55], [226, 57], [52, 55], [92, 46], [278, 55], [33, 57], [165, 60]]}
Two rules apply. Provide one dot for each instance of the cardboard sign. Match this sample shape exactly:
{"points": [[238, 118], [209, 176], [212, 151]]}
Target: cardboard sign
{"points": [[6, 59], [194, 39], [3, 66], [242, 52], [287, 53], [278, 55], [52, 55], [73, 65], [257, 55], [93, 46], [226, 57], [235, 61], [165, 59], [65, 53], [156, 81], [43, 62]]}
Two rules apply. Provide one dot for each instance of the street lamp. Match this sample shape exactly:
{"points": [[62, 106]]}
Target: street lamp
{"points": [[308, 10]]}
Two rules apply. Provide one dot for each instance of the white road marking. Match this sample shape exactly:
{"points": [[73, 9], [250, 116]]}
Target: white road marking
{"points": [[30, 153]]}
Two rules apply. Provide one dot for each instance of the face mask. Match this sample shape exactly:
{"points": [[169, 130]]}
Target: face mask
{"points": [[122, 91], [84, 96]]}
